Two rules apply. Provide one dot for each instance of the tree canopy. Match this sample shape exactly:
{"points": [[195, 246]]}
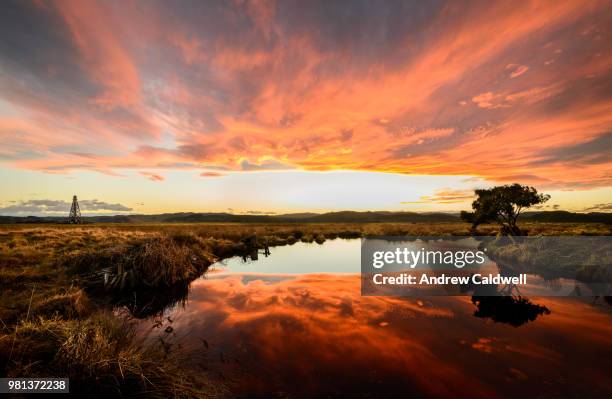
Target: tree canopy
{"points": [[503, 204]]}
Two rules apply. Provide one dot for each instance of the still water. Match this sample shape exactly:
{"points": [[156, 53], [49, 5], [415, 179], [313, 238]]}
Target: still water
{"points": [[294, 324]]}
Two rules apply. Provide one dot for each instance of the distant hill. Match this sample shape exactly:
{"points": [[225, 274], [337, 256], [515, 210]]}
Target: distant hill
{"points": [[567, 217], [330, 217], [364, 217], [303, 215], [188, 217]]}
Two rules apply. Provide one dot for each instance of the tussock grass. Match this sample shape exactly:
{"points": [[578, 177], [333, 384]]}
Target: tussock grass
{"points": [[101, 358], [308, 237], [587, 259], [73, 303], [159, 262], [165, 261]]}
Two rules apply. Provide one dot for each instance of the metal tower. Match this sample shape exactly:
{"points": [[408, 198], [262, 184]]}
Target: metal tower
{"points": [[75, 212]]}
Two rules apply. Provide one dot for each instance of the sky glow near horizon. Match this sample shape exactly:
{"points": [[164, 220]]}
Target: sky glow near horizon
{"points": [[264, 106]]}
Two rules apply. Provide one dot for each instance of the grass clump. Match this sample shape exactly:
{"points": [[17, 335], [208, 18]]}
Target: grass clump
{"points": [[101, 358], [73, 303], [587, 259], [160, 261], [307, 238], [164, 262]]}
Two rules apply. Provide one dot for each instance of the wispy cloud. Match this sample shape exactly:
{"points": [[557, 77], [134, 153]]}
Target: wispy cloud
{"points": [[269, 164], [211, 174], [445, 196], [521, 69], [600, 207], [260, 213], [153, 176]]}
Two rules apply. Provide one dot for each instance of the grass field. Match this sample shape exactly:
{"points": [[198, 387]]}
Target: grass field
{"points": [[61, 283]]}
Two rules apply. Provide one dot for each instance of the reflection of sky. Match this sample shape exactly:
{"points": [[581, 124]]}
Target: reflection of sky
{"points": [[311, 334], [344, 257], [336, 256]]}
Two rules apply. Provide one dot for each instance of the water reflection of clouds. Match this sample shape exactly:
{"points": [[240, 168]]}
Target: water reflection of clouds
{"points": [[336, 256], [247, 278], [316, 333]]}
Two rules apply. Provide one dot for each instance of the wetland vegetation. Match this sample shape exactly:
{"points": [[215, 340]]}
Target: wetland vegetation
{"points": [[62, 286]]}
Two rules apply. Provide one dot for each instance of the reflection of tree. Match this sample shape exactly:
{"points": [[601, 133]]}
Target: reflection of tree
{"points": [[513, 310]]}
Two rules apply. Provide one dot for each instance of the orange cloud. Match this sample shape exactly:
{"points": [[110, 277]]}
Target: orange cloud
{"points": [[273, 86], [211, 174], [103, 55], [445, 196]]}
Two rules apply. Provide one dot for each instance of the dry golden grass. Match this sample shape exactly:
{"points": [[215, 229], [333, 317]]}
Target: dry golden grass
{"points": [[100, 356], [52, 258]]}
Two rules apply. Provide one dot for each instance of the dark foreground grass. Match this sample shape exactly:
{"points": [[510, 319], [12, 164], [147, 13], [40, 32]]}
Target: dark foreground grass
{"points": [[59, 286], [100, 356], [56, 315]]}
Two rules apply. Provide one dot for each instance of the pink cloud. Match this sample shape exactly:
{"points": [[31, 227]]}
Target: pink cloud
{"points": [[153, 176], [251, 88], [103, 54], [521, 69], [211, 174]]}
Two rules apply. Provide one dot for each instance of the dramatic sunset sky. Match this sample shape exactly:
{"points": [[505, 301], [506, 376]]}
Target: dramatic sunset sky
{"points": [[264, 106]]}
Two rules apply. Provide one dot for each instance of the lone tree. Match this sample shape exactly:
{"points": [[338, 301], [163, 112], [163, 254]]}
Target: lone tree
{"points": [[503, 204]]}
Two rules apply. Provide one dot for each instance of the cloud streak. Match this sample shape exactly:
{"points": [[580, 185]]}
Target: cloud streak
{"points": [[600, 208], [445, 196], [153, 176]]}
